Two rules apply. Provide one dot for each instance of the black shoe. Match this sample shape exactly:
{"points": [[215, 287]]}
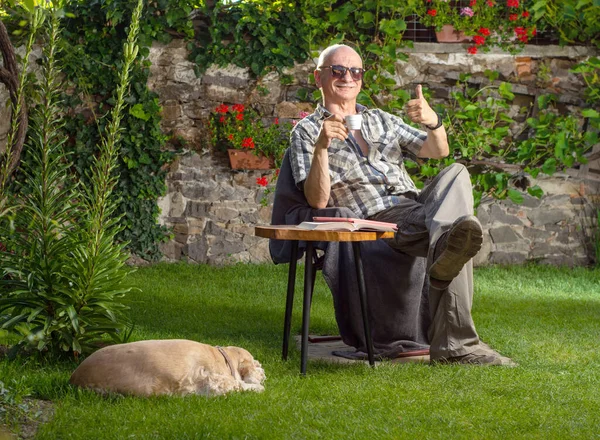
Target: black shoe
{"points": [[454, 249]]}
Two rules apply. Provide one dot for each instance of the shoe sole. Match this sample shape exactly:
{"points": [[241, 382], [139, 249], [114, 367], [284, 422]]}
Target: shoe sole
{"points": [[463, 243]]}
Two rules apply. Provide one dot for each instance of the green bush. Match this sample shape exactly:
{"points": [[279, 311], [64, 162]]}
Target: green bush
{"points": [[62, 287]]}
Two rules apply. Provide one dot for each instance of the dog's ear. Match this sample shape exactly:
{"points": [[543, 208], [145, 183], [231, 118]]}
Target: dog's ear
{"points": [[245, 368]]}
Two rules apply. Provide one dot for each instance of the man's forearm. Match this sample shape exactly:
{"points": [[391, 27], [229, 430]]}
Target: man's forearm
{"points": [[317, 185], [436, 145]]}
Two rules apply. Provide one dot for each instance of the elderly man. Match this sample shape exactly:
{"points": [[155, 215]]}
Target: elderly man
{"points": [[363, 169]]}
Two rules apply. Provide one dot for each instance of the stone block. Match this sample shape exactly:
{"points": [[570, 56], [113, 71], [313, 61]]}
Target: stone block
{"points": [[272, 85], [504, 234], [204, 190], [197, 209], [171, 250], [218, 93], [241, 228], [171, 112], [230, 76], [483, 215], [181, 238], [292, 110], [541, 249], [224, 214], [197, 251], [183, 73], [498, 215], [195, 110], [177, 206], [542, 217], [560, 200], [530, 201], [508, 257], [482, 257], [301, 73], [536, 235], [553, 186], [259, 253]]}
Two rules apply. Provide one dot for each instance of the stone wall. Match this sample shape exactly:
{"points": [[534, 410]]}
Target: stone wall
{"points": [[213, 209]]}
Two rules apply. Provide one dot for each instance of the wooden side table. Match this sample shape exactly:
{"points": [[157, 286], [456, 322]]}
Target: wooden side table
{"points": [[294, 234]]}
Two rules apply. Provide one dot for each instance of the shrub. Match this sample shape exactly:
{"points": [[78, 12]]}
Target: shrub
{"points": [[63, 274]]}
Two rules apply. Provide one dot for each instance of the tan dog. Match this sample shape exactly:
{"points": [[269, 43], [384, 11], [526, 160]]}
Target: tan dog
{"points": [[172, 367]]}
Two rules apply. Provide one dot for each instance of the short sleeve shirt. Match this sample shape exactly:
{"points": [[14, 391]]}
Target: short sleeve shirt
{"points": [[365, 184]]}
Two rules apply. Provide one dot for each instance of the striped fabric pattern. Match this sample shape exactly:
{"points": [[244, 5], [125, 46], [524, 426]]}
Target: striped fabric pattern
{"points": [[365, 184]]}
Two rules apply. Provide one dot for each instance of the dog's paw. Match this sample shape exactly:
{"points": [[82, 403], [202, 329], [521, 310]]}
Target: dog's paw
{"points": [[258, 388]]}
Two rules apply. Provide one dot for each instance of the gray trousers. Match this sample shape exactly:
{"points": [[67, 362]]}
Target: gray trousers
{"points": [[421, 221]]}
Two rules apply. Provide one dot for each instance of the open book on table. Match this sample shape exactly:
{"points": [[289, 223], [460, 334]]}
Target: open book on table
{"points": [[346, 224]]}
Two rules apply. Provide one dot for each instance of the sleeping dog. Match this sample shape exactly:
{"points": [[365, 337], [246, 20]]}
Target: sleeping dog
{"points": [[169, 367]]}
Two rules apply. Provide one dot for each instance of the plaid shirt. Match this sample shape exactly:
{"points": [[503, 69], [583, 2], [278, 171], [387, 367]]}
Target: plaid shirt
{"points": [[365, 184]]}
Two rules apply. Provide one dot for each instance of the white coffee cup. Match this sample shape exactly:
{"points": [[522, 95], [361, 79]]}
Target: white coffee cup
{"points": [[353, 122]]}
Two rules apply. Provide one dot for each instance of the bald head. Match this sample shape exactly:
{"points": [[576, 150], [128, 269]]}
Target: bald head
{"points": [[332, 50]]}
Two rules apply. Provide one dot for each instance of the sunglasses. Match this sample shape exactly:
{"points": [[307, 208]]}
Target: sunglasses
{"points": [[340, 71]]}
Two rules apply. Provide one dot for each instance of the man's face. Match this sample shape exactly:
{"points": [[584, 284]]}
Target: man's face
{"points": [[339, 90]]}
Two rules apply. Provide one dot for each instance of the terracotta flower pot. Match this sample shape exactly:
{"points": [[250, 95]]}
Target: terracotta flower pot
{"points": [[247, 160], [450, 35]]}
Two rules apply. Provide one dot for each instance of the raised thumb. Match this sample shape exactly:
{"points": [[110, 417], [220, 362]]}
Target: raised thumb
{"points": [[419, 92]]}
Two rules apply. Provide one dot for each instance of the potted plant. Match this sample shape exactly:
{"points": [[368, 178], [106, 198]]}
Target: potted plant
{"points": [[486, 23], [251, 141]]}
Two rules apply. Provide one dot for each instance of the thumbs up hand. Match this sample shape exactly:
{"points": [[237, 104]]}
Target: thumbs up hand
{"points": [[419, 111]]}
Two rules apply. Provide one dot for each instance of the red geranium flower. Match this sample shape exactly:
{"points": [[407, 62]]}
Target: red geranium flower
{"points": [[472, 50], [520, 31], [262, 181], [222, 109], [277, 172], [276, 121], [230, 137], [513, 17], [533, 32], [239, 116], [512, 3], [222, 119], [432, 12], [484, 31], [490, 3], [525, 14], [478, 40], [248, 143], [472, 3], [523, 38], [238, 108]]}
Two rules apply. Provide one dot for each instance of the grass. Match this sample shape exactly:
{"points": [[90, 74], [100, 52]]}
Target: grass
{"points": [[546, 319]]}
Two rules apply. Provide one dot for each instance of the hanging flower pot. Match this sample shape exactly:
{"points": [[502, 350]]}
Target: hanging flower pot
{"points": [[450, 35], [247, 160]]}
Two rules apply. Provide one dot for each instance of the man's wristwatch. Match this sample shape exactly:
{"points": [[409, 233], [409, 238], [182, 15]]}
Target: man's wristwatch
{"points": [[438, 125]]}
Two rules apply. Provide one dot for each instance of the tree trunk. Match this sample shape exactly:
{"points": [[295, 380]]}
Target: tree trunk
{"points": [[9, 76]]}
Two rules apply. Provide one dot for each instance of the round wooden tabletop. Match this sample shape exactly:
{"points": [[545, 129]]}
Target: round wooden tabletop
{"points": [[287, 232]]}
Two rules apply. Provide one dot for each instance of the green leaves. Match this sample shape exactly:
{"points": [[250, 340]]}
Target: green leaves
{"points": [[62, 273], [137, 111]]}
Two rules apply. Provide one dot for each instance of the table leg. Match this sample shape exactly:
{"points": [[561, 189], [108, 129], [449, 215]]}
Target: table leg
{"points": [[362, 290], [289, 301], [308, 274]]}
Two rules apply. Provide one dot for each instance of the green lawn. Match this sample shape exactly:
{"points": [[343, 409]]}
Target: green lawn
{"points": [[546, 319]]}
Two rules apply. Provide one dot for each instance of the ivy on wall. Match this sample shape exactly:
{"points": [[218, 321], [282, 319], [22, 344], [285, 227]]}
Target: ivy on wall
{"points": [[259, 35], [91, 69]]}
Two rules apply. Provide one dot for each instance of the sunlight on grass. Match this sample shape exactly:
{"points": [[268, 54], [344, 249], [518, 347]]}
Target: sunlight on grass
{"points": [[545, 318]]}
